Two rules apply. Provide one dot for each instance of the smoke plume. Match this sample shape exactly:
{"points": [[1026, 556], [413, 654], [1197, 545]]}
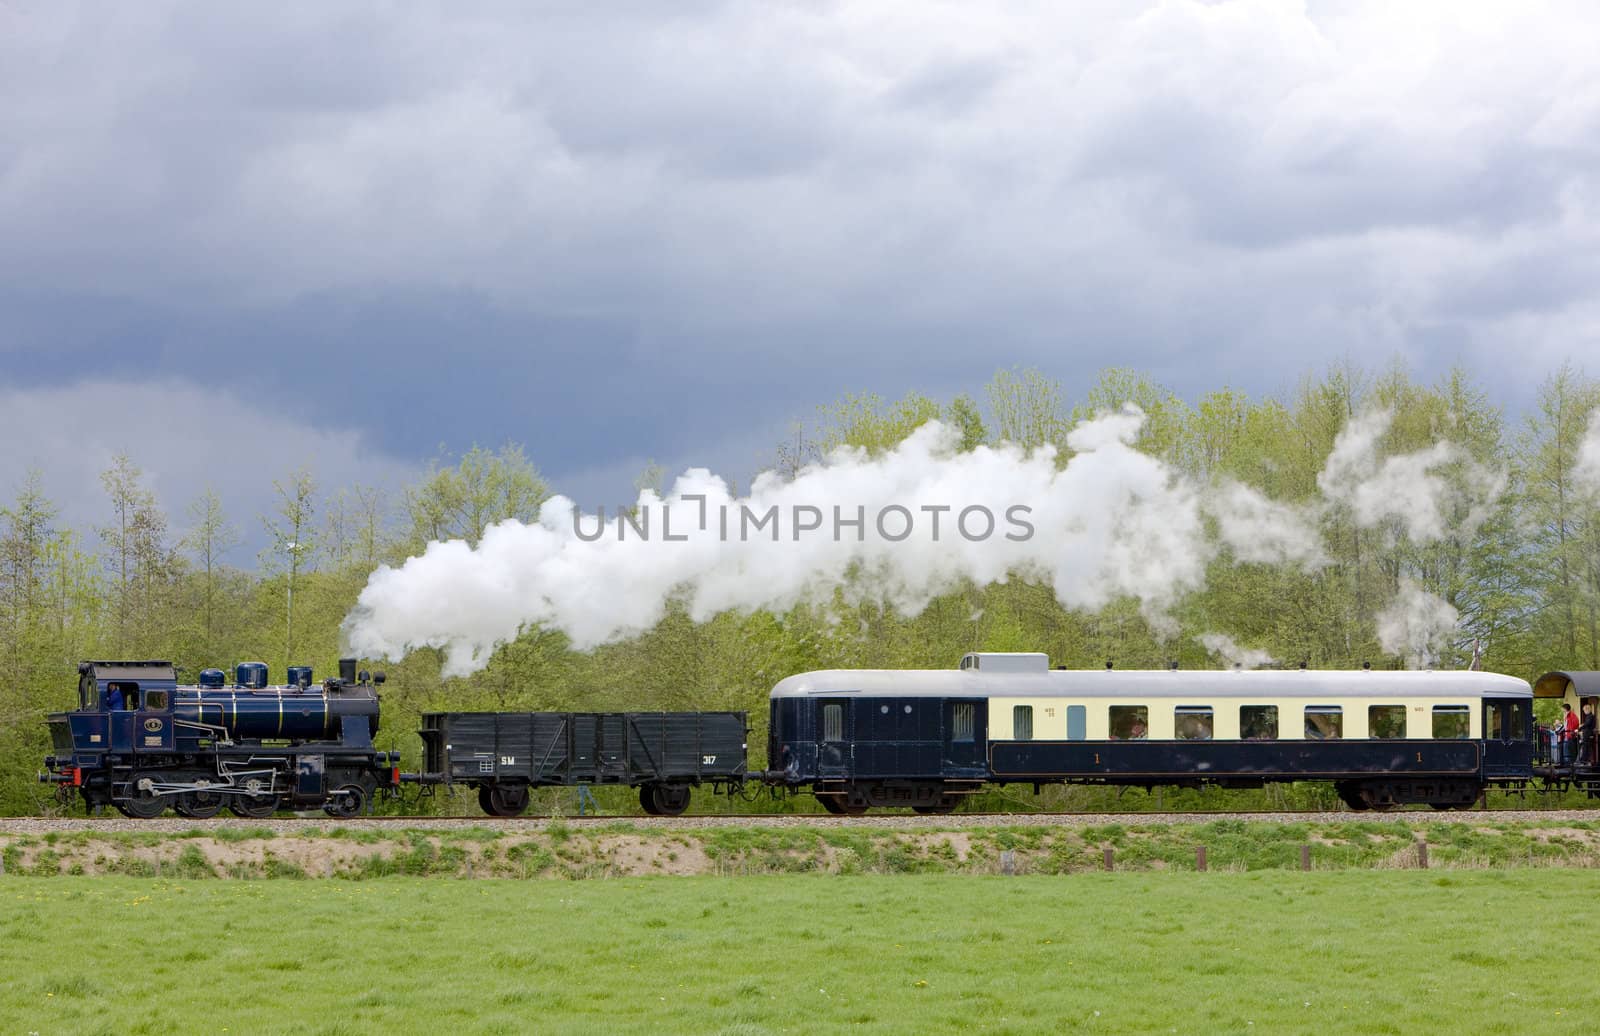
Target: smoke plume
{"points": [[1231, 652], [901, 528], [1416, 625], [1587, 473]]}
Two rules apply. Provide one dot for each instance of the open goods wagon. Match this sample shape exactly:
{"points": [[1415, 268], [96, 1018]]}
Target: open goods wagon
{"points": [[506, 754]]}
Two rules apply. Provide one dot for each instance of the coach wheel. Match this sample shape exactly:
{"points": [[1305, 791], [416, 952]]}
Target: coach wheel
{"points": [[946, 804], [670, 800], [198, 805], [141, 803], [253, 807], [347, 800], [1350, 795]]}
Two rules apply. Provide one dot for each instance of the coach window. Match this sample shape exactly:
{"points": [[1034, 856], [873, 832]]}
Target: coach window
{"points": [[961, 722], [1324, 722], [1129, 722], [1022, 722], [1452, 722], [1258, 722], [833, 723], [1077, 722], [1192, 722], [1386, 721]]}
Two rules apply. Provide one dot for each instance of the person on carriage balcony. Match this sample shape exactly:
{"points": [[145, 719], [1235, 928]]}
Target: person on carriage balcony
{"points": [[1586, 728], [1569, 733]]}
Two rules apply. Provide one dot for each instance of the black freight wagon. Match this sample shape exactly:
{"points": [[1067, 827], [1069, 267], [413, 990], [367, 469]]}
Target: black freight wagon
{"points": [[505, 754]]}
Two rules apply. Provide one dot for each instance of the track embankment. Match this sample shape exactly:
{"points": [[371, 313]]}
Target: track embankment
{"points": [[608, 847]]}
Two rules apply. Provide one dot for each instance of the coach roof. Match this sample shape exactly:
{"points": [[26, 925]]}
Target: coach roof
{"points": [[1197, 684]]}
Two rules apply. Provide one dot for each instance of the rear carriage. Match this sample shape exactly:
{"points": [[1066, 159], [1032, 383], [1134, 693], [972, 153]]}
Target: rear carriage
{"points": [[863, 738]]}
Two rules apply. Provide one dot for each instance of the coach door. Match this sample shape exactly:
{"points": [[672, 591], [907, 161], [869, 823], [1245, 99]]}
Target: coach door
{"points": [[835, 754], [1507, 736], [964, 723]]}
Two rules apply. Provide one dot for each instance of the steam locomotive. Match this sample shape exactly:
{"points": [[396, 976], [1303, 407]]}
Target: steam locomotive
{"points": [[140, 743]]}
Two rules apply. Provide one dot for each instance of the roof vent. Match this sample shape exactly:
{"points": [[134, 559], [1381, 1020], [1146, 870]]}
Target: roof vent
{"points": [[1007, 661]]}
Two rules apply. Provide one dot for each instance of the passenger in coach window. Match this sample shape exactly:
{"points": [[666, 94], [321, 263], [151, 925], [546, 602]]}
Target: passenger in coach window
{"points": [[1136, 731]]}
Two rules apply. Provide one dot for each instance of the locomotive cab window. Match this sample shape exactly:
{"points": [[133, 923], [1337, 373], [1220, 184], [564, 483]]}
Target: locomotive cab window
{"points": [[1324, 722], [1022, 722], [1129, 722], [1386, 721], [156, 700], [961, 725], [1192, 722], [1452, 722], [833, 722], [1258, 722]]}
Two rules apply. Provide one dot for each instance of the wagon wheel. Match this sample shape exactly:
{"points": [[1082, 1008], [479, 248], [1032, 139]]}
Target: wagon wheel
{"points": [[512, 800], [670, 799], [647, 799], [831, 804], [141, 803], [347, 800], [500, 801], [198, 805]]}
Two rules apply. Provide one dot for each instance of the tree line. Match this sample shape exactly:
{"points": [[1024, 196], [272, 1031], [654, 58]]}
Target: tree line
{"points": [[1524, 576]]}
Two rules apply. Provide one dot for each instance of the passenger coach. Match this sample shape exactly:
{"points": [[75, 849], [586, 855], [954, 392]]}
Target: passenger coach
{"points": [[925, 738]]}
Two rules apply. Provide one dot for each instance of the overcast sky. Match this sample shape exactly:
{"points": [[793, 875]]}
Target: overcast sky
{"points": [[235, 240]]}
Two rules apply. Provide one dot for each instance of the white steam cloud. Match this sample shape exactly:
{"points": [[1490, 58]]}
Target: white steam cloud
{"points": [[1587, 473], [1233, 653], [1416, 625], [1410, 488], [902, 527]]}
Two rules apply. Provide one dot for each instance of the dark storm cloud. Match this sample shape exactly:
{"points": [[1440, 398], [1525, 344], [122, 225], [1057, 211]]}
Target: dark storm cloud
{"points": [[617, 232]]}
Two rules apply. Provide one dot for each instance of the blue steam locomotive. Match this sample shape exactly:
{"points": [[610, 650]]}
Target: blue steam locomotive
{"points": [[141, 743]]}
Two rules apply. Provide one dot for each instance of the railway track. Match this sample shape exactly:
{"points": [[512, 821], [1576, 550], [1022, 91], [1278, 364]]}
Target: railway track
{"points": [[288, 823]]}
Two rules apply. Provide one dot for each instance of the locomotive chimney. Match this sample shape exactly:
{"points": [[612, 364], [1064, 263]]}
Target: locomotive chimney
{"points": [[347, 670]]}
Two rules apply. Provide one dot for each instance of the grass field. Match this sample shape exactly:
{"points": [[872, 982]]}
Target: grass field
{"points": [[1261, 952]]}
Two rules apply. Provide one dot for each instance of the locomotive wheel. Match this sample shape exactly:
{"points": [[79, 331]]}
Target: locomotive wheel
{"points": [[141, 804], [253, 807], [198, 805], [347, 800]]}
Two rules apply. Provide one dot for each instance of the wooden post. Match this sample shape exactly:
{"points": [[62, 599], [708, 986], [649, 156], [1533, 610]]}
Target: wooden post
{"points": [[1008, 861], [1305, 857], [1422, 855], [1108, 858], [1199, 857]]}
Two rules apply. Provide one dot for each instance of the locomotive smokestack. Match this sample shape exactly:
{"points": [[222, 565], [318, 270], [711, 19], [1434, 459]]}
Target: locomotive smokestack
{"points": [[347, 670]]}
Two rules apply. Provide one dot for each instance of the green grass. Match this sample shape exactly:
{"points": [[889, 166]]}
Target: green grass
{"points": [[1259, 952]]}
